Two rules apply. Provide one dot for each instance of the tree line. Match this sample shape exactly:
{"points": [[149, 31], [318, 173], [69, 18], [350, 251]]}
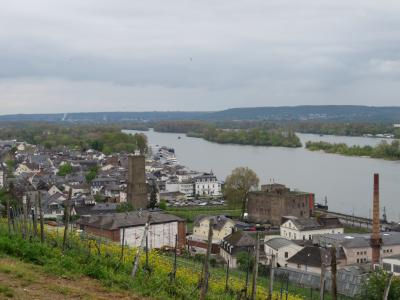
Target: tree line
{"points": [[105, 138], [265, 135], [385, 150]]}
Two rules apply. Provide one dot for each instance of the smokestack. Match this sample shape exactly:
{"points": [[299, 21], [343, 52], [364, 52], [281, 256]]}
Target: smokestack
{"points": [[376, 240]]}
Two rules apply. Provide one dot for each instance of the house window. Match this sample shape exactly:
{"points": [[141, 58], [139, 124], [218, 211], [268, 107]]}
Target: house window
{"points": [[358, 260], [358, 253], [396, 268], [298, 266], [309, 237], [286, 254]]}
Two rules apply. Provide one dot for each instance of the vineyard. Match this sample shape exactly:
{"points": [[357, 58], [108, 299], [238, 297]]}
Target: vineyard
{"points": [[111, 264]]}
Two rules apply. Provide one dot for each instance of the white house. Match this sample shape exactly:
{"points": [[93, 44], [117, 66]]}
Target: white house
{"points": [[128, 228], [2, 176], [207, 185], [27, 168], [282, 248], [294, 228], [392, 264], [223, 227], [186, 187], [54, 190]]}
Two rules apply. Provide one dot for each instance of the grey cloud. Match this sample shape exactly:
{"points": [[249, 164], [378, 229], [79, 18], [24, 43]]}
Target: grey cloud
{"points": [[188, 55]]}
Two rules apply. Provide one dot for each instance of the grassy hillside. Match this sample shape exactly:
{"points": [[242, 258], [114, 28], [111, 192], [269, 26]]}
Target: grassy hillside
{"points": [[85, 257], [25, 281]]}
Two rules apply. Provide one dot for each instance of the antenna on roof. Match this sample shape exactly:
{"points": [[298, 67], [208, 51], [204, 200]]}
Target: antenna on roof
{"points": [[384, 214]]}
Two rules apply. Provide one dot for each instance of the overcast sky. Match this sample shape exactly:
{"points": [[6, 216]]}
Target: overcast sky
{"points": [[126, 55]]}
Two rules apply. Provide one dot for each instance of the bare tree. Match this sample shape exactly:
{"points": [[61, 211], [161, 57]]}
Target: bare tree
{"points": [[238, 185]]}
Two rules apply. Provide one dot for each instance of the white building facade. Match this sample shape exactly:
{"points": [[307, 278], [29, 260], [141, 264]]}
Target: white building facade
{"points": [[160, 235], [295, 229], [207, 185], [2, 177], [281, 248], [186, 188]]}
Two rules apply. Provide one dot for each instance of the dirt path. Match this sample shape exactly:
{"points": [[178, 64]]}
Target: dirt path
{"points": [[19, 280]]}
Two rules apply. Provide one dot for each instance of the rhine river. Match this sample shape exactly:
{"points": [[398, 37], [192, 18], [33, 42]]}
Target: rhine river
{"points": [[345, 181]]}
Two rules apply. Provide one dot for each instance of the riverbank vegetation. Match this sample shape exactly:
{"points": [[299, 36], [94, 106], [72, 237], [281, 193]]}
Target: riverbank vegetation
{"points": [[346, 128], [105, 138], [259, 136], [384, 150]]}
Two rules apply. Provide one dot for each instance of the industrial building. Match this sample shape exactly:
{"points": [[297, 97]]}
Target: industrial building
{"points": [[276, 200]]}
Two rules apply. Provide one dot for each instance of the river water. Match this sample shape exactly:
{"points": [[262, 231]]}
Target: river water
{"points": [[347, 182]]}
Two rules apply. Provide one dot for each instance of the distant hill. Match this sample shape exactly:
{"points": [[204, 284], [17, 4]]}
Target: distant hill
{"points": [[347, 113]]}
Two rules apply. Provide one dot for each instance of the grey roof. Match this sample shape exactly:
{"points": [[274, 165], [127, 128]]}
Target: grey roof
{"points": [[397, 256], [241, 239], [105, 179], [105, 206], [356, 240], [315, 223], [219, 221], [310, 256], [279, 242], [115, 221]]}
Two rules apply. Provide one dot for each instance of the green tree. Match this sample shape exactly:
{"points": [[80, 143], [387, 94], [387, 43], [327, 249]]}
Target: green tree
{"points": [[238, 185], [374, 287], [92, 174], [65, 169], [162, 205], [97, 145], [124, 207], [245, 260], [153, 194], [141, 142]]}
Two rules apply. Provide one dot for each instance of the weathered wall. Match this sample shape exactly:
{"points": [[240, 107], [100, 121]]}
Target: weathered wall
{"points": [[265, 207], [109, 234], [137, 188], [159, 235]]}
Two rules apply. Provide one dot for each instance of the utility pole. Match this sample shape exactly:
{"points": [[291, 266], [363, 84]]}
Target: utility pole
{"points": [[227, 277], [173, 274], [147, 254], [41, 218], [387, 288], [271, 277], [24, 222], [247, 272], [334, 273], [255, 268], [139, 249], [122, 245], [322, 279], [66, 215], [8, 215], [34, 216], [204, 284]]}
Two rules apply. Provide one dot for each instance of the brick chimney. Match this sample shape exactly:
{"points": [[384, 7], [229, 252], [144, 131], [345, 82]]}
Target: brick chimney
{"points": [[376, 240]]}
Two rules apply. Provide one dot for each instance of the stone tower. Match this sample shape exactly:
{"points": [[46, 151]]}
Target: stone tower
{"points": [[137, 187]]}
